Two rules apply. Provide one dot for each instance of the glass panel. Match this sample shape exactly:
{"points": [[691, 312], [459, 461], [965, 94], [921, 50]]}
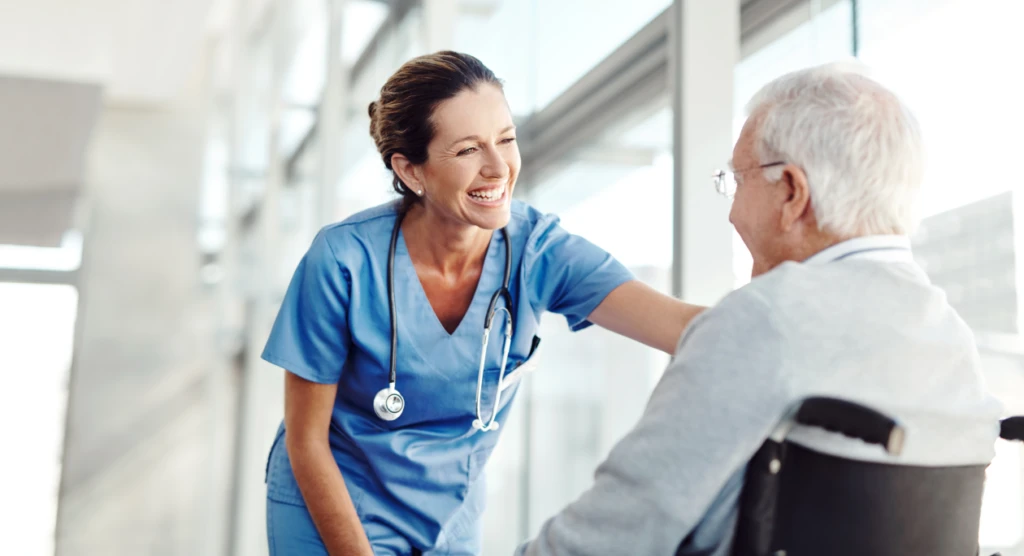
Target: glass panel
{"points": [[502, 37], [823, 36], [622, 175], [969, 107], [574, 35], [307, 68], [541, 48], [250, 154], [616, 192], [961, 90], [37, 324], [362, 20], [1002, 512], [365, 182]]}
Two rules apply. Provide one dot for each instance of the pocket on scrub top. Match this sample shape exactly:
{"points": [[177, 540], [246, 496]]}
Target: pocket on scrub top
{"points": [[521, 369]]}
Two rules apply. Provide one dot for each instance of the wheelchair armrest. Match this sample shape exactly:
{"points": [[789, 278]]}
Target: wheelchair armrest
{"points": [[1012, 428], [853, 420]]}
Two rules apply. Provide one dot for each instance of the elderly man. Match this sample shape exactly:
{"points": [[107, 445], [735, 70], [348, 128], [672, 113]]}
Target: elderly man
{"points": [[826, 169]]}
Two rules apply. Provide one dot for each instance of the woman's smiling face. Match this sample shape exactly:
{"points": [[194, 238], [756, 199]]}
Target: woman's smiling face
{"points": [[473, 159]]}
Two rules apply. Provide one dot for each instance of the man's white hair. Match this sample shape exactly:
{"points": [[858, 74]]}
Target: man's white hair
{"points": [[859, 145]]}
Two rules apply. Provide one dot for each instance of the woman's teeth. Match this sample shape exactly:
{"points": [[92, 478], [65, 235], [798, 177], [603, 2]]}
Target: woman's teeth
{"points": [[492, 195]]}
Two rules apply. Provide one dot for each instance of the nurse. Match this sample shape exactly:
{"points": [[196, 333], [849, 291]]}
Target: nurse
{"points": [[375, 461]]}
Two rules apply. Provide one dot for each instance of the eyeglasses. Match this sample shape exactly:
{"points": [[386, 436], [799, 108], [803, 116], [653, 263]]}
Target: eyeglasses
{"points": [[725, 180]]}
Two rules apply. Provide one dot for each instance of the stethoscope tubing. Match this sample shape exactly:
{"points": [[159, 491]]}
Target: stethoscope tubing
{"points": [[492, 309]]}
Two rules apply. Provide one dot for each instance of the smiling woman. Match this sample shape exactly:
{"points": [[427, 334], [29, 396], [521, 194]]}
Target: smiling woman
{"points": [[403, 122], [365, 470], [473, 161]]}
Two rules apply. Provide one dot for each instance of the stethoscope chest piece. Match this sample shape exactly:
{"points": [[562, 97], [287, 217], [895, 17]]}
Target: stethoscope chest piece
{"points": [[388, 404]]}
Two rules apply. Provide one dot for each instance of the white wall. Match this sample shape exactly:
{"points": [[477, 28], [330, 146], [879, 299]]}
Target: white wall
{"points": [[145, 458]]}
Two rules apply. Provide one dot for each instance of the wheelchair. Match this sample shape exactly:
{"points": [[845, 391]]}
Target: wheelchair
{"points": [[799, 502]]}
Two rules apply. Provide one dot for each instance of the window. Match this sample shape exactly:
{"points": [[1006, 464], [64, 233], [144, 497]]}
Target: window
{"points": [[541, 48], [807, 37], [37, 326], [968, 103]]}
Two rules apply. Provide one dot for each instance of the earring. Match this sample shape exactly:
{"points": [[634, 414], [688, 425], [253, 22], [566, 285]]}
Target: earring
{"points": [[419, 192]]}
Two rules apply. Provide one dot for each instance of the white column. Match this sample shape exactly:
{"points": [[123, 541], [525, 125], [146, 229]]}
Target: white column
{"points": [[331, 118], [261, 395], [704, 43], [1018, 248], [439, 22]]}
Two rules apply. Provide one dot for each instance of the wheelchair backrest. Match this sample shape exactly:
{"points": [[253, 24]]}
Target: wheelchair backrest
{"points": [[800, 502]]}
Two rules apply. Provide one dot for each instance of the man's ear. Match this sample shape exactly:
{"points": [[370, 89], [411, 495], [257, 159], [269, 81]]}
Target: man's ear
{"points": [[797, 203], [410, 174]]}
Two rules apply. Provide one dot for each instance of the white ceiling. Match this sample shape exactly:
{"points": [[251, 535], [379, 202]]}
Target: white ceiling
{"points": [[44, 129], [139, 51]]}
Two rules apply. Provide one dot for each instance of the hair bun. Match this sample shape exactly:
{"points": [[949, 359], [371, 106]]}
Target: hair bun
{"points": [[372, 110]]}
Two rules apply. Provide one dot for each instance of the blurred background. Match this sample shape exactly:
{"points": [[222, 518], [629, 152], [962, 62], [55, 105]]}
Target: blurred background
{"points": [[163, 166]]}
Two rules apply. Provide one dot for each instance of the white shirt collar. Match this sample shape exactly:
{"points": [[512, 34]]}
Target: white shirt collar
{"points": [[880, 247]]}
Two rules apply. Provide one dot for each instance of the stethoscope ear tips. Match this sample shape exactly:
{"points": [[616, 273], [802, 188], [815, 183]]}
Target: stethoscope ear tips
{"points": [[388, 404], [479, 425]]}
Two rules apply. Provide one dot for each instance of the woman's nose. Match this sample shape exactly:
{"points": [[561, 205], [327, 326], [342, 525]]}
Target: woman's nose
{"points": [[495, 165]]}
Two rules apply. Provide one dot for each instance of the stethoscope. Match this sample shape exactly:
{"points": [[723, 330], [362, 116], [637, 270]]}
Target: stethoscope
{"points": [[388, 404]]}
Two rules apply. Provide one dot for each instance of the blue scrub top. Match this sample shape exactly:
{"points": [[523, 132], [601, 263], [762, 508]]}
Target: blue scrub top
{"points": [[415, 480]]}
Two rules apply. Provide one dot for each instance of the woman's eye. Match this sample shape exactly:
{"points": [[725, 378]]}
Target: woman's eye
{"points": [[508, 140], [466, 151]]}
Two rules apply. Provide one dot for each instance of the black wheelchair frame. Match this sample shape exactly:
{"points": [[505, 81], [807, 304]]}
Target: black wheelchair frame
{"points": [[799, 502]]}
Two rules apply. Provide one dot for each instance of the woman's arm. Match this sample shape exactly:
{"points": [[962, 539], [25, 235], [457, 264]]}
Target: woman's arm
{"points": [[307, 418], [644, 314]]}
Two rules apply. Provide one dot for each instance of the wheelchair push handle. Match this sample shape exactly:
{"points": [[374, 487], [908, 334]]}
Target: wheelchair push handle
{"points": [[1012, 428], [853, 420]]}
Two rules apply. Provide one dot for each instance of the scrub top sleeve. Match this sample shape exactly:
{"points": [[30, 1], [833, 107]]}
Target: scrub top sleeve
{"points": [[310, 336], [567, 274]]}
